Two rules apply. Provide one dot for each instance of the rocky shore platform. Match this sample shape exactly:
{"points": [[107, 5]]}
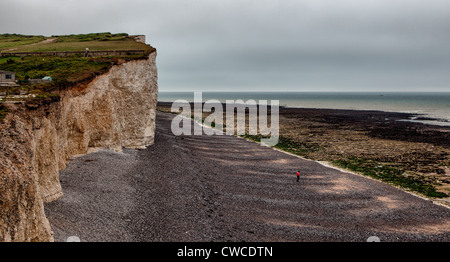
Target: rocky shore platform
{"points": [[402, 149], [226, 188], [413, 150]]}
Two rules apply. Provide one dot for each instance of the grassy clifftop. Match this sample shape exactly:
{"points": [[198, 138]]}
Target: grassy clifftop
{"points": [[10, 41], [95, 42], [65, 71]]}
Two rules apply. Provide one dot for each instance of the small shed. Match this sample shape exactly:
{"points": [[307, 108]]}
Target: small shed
{"points": [[7, 77]]}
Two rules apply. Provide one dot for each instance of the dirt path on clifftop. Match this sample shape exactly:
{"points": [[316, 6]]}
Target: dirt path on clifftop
{"points": [[222, 188], [46, 41]]}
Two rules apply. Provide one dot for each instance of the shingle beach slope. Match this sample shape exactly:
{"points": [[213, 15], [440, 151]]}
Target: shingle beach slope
{"points": [[224, 188]]}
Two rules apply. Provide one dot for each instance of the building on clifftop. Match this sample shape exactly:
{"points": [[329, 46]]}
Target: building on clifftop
{"points": [[7, 78]]}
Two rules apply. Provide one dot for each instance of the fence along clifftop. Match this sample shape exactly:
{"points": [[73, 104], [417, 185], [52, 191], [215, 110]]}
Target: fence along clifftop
{"points": [[79, 53]]}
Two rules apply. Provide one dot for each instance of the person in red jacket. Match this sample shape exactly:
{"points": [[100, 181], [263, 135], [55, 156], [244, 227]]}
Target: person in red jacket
{"points": [[298, 175]]}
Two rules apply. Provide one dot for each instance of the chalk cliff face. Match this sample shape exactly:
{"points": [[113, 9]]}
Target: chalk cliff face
{"points": [[115, 110]]}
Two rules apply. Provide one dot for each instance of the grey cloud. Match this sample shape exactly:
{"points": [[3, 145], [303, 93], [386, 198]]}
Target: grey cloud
{"points": [[271, 45]]}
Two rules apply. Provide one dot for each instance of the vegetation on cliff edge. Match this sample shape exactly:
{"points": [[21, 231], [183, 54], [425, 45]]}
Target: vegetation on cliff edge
{"points": [[65, 71], [95, 42]]}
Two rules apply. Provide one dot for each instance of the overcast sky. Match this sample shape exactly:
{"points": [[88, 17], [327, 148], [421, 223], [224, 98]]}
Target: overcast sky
{"points": [[260, 45]]}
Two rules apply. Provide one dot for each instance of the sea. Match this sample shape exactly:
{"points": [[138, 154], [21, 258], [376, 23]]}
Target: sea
{"points": [[430, 108]]}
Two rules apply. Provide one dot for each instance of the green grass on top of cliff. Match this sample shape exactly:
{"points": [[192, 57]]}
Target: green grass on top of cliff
{"points": [[12, 41], [95, 42], [61, 69], [65, 71]]}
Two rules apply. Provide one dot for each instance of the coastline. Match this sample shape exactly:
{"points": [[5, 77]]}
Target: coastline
{"points": [[224, 188], [426, 106], [440, 202], [376, 144]]}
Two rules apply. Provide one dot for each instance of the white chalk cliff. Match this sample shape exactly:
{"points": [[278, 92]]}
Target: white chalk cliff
{"points": [[114, 110]]}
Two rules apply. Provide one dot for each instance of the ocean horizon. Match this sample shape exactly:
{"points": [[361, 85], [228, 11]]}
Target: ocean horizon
{"points": [[432, 107]]}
